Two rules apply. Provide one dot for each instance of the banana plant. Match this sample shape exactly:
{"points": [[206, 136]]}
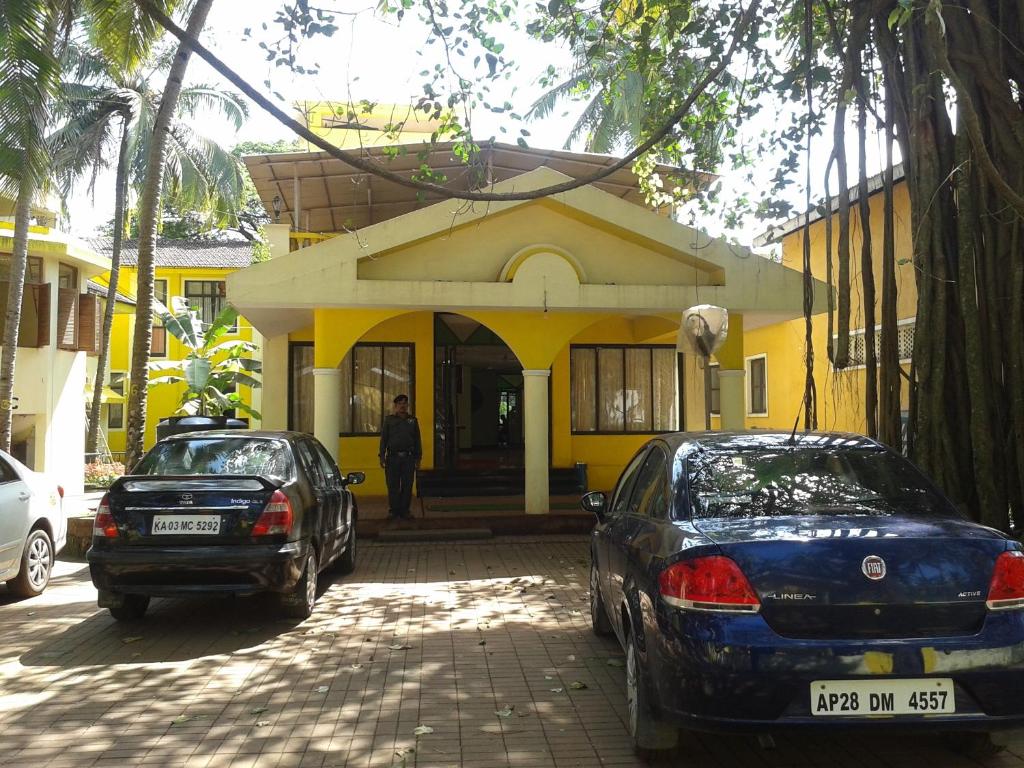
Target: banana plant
{"points": [[213, 369]]}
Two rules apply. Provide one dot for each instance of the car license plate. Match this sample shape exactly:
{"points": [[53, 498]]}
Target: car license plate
{"points": [[853, 698], [208, 525]]}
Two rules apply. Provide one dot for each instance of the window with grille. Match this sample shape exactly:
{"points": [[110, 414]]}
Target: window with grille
{"points": [[904, 343], [621, 389], [206, 296], [372, 376]]}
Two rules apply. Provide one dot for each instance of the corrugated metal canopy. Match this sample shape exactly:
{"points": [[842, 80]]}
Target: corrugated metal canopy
{"points": [[334, 196]]}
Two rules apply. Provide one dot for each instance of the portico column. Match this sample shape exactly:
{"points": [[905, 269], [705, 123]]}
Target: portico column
{"points": [[327, 408], [731, 376], [535, 435], [732, 395]]}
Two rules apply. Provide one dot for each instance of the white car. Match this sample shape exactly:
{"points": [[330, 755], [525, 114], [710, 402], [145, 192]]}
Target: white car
{"points": [[33, 527]]}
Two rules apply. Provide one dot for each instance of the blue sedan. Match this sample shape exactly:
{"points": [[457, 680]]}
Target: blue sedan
{"points": [[762, 581]]}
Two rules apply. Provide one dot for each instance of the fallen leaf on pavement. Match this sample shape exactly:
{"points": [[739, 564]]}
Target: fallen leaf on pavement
{"points": [[323, 689], [505, 711], [257, 710], [132, 639], [576, 685], [262, 723], [421, 730], [399, 647], [556, 690]]}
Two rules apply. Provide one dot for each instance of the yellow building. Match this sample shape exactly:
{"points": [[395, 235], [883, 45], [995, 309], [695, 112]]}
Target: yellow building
{"points": [[194, 270], [355, 125], [774, 354], [529, 335], [59, 328]]}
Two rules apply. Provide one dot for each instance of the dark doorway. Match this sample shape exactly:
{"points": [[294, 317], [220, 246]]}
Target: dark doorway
{"points": [[478, 397]]}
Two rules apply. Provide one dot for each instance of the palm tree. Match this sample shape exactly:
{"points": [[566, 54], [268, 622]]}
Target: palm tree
{"points": [[623, 101], [33, 35], [149, 208], [29, 72], [213, 369], [201, 174]]}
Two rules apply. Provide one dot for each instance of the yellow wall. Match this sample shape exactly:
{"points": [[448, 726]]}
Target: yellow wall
{"points": [[840, 393], [605, 455], [317, 115], [162, 401]]}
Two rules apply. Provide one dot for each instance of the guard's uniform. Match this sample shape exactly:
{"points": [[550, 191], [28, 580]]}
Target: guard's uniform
{"points": [[400, 452]]}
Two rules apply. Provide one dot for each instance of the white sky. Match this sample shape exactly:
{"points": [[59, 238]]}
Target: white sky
{"points": [[370, 58]]}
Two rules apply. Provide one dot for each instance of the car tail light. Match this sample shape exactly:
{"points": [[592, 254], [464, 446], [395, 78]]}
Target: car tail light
{"points": [[1007, 587], [276, 518], [60, 491], [712, 583], [104, 526]]}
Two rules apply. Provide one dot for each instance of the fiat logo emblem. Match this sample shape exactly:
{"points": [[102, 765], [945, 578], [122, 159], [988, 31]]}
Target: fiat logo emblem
{"points": [[873, 567]]}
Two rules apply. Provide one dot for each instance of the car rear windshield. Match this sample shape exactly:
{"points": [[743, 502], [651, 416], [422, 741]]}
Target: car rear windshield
{"points": [[219, 456], [808, 481]]}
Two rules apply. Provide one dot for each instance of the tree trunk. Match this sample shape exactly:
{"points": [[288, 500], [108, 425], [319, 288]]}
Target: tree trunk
{"points": [[120, 194], [866, 267], [889, 423], [149, 209], [15, 292]]}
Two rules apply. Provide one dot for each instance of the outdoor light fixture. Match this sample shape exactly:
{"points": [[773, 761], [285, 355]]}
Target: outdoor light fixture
{"points": [[276, 202]]}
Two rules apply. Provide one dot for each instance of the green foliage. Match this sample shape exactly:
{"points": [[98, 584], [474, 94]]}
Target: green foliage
{"points": [[213, 369], [204, 182]]}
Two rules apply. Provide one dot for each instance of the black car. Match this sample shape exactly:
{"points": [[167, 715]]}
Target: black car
{"points": [[224, 511], [815, 581]]}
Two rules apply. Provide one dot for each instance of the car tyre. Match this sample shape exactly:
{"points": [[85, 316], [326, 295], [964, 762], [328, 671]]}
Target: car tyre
{"points": [[652, 739], [347, 561], [298, 604], [599, 620], [36, 565], [130, 607], [974, 744]]}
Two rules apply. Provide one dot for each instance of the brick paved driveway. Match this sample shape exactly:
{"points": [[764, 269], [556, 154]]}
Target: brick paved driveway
{"points": [[439, 635]]}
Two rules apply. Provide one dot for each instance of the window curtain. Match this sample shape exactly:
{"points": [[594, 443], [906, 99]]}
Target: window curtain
{"points": [[611, 417], [367, 387], [583, 377], [665, 366], [397, 375], [637, 396]]}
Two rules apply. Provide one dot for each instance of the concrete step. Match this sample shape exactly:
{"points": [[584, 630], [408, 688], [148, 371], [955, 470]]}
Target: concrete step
{"points": [[427, 534]]}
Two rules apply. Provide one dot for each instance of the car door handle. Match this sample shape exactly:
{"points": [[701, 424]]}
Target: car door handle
{"points": [[24, 496]]}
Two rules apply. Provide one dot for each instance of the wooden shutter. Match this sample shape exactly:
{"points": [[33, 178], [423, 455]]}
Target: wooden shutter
{"points": [[34, 329], [67, 319], [90, 319]]}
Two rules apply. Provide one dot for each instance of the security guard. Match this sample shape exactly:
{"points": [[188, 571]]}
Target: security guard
{"points": [[400, 453]]}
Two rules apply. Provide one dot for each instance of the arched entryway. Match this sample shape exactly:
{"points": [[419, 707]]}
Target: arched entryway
{"points": [[478, 398]]}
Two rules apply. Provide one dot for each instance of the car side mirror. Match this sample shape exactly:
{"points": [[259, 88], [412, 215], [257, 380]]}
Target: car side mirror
{"points": [[354, 478], [595, 502]]}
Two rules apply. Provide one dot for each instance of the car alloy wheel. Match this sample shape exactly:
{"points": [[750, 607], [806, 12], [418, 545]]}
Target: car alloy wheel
{"points": [[652, 738], [36, 565], [39, 562], [632, 688]]}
